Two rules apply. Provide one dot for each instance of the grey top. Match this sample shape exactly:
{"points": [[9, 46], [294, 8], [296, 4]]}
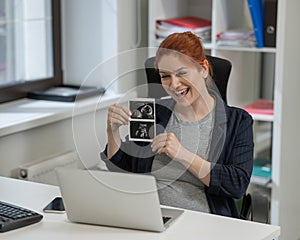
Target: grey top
{"points": [[176, 185]]}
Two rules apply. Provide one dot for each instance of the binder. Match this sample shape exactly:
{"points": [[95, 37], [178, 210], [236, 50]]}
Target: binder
{"points": [[199, 26], [260, 106], [262, 171], [257, 16], [187, 22], [270, 19]]}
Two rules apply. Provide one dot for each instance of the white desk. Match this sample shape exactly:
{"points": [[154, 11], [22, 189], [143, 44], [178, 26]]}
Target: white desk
{"points": [[191, 225]]}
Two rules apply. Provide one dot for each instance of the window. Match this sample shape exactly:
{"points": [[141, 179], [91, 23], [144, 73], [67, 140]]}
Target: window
{"points": [[30, 46]]}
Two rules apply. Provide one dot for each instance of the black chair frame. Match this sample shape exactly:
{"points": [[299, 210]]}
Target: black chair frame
{"points": [[221, 69]]}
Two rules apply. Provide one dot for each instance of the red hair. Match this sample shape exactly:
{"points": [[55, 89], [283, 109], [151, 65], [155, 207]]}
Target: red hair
{"points": [[186, 43]]}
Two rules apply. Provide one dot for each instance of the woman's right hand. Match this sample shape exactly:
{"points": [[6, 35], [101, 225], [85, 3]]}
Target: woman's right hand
{"points": [[118, 115]]}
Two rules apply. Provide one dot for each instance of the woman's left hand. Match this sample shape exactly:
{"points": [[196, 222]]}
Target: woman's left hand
{"points": [[169, 144]]}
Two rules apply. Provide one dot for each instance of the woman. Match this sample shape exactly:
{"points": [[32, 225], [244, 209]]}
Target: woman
{"points": [[202, 154]]}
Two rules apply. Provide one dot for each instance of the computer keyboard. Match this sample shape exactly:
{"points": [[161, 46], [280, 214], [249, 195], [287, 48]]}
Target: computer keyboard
{"points": [[12, 217]]}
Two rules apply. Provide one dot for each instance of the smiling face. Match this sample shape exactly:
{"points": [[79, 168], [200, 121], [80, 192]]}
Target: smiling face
{"points": [[182, 78]]}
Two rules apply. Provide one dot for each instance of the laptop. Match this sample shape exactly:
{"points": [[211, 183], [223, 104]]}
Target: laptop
{"points": [[114, 199]]}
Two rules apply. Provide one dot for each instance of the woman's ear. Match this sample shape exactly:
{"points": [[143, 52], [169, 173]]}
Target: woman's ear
{"points": [[205, 68]]}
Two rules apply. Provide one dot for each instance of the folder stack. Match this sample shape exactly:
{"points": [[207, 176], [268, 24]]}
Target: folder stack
{"points": [[260, 106], [199, 26], [262, 172], [236, 38]]}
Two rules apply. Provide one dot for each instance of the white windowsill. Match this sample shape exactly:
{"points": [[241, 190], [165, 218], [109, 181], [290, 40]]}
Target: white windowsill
{"points": [[27, 113]]}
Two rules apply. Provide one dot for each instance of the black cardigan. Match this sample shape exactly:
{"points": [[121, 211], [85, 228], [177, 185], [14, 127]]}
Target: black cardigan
{"points": [[231, 155]]}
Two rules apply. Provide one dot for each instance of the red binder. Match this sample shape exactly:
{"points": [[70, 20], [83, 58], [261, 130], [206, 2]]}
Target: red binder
{"points": [[260, 106], [187, 22]]}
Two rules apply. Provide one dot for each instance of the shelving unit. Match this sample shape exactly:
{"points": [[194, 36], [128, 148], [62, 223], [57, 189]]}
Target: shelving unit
{"points": [[284, 68], [253, 71], [221, 14]]}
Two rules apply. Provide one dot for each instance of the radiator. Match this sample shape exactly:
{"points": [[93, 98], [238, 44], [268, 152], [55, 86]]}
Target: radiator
{"points": [[44, 171]]}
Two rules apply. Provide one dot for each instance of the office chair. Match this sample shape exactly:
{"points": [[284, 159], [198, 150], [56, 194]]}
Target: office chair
{"points": [[254, 207], [221, 70]]}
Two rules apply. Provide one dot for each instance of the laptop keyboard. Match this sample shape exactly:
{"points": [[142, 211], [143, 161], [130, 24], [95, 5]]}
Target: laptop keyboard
{"points": [[12, 217]]}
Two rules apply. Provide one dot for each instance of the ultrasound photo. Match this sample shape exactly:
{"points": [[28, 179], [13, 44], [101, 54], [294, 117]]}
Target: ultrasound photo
{"points": [[142, 109], [142, 124]]}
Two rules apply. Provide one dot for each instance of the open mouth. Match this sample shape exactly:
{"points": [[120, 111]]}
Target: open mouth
{"points": [[182, 92]]}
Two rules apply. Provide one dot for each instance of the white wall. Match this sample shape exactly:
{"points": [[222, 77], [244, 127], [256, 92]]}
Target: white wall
{"points": [[96, 31], [90, 36], [39, 143], [132, 34]]}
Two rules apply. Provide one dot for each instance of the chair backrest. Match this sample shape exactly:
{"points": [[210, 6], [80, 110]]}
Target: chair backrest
{"points": [[221, 71]]}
